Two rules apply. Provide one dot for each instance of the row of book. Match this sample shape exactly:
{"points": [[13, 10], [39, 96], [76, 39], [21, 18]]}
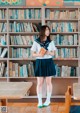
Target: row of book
{"points": [[61, 14], [3, 39], [21, 70], [66, 71], [3, 52], [22, 40], [21, 52], [63, 26], [3, 14], [27, 70], [25, 14], [65, 39], [3, 27], [32, 13], [28, 40], [60, 53], [24, 27], [66, 53], [3, 69], [35, 27]]}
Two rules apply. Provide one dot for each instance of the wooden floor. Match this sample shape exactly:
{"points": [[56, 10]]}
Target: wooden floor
{"points": [[32, 108]]}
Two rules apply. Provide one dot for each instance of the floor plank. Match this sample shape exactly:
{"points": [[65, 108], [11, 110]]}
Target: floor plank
{"points": [[32, 108]]}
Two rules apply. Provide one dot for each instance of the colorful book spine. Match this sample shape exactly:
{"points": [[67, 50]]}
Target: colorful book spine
{"points": [[18, 70], [25, 14]]}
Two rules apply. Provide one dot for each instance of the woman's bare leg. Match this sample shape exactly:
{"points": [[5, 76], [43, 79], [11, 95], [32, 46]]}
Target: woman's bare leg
{"points": [[40, 81]]}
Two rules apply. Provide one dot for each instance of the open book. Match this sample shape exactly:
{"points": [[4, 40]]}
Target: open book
{"points": [[42, 51]]}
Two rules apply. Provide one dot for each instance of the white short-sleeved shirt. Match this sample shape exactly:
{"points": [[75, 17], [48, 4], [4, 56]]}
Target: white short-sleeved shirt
{"points": [[36, 48]]}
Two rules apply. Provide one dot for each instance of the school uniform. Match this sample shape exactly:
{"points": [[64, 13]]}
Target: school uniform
{"points": [[44, 66]]}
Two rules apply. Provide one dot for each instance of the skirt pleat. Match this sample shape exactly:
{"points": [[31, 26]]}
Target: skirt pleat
{"points": [[45, 68]]}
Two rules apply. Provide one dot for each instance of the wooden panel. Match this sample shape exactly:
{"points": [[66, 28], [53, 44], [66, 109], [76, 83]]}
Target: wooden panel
{"points": [[14, 89], [76, 91], [59, 84]]}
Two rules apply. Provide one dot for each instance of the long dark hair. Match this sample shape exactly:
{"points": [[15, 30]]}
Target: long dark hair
{"points": [[42, 33]]}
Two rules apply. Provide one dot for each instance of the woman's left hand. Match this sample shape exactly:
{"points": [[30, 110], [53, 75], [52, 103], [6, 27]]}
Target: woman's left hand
{"points": [[50, 53]]}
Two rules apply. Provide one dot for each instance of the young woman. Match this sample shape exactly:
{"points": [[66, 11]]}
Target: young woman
{"points": [[44, 67]]}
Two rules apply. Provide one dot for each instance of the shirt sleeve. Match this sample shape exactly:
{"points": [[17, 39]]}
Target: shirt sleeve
{"points": [[52, 46], [34, 47]]}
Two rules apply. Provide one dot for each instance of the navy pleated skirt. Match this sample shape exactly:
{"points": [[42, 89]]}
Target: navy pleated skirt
{"points": [[45, 68]]}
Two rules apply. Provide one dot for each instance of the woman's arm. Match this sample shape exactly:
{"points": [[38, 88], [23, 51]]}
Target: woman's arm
{"points": [[34, 54], [52, 53]]}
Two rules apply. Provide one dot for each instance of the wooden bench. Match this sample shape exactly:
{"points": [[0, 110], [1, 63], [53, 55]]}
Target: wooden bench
{"points": [[13, 90], [76, 96]]}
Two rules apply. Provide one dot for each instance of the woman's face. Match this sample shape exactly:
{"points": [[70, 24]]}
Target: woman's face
{"points": [[47, 32]]}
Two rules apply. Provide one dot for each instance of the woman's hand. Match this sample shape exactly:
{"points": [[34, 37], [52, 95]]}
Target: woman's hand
{"points": [[52, 53], [34, 54], [39, 55]]}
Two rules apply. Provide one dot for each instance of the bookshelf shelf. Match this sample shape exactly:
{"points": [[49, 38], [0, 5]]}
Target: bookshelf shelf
{"points": [[3, 59], [28, 7], [64, 33], [33, 59], [68, 46], [59, 46], [26, 20], [4, 46], [67, 59], [35, 77], [23, 33], [2, 33], [38, 32], [62, 20], [3, 20], [3, 79], [28, 46], [27, 59]]}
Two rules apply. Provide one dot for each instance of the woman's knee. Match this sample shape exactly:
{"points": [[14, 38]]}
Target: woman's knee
{"points": [[48, 81], [40, 82]]}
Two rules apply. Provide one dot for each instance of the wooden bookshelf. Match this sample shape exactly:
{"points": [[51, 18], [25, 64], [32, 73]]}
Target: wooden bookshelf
{"points": [[43, 20]]}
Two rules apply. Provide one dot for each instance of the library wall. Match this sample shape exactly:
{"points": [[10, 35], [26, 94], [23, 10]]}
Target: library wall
{"points": [[20, 26]]}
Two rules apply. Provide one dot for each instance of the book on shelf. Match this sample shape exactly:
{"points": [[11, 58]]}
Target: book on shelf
{"points": [[6, 72], [20, 52], [21, 70], [3, 71], [61, 14], [42, 51], [66, 53], [3, 52], [59, 26], [3, 13], [24, 27], [22, 40], [58, 70], [66, 71], [65, 39], [25, 14], [3, 40], [3, 27]]}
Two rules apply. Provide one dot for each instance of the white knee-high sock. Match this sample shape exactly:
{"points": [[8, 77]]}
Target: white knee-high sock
{"points": [[39, 99], [47, 102]]}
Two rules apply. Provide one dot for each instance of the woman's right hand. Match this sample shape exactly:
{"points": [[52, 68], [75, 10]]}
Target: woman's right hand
{"points": [[39, 55], [34, 54]]}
